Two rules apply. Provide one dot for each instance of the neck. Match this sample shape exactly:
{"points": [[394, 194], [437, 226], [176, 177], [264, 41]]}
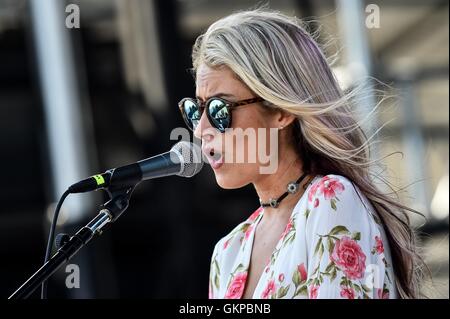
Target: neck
{"points": [[274, 185]]}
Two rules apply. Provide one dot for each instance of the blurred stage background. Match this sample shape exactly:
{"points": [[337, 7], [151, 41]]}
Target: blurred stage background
{"points": [[74, 102]]}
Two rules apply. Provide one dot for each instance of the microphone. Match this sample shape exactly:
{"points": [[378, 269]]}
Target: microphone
{"points": [[183, 159]]}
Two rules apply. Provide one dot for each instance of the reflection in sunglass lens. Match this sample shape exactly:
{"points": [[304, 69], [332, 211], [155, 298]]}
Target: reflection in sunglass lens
{"points": [[219, 114], [192, 112]]}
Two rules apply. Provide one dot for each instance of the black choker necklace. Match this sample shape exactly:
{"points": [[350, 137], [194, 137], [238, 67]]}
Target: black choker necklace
{"points": [[292, 188]]}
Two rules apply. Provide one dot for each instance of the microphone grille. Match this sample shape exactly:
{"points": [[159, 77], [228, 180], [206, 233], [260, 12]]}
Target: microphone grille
{"points": [[190, 155]]}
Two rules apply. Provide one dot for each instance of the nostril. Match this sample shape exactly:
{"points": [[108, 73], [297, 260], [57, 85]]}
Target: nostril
{"points": [[211, 152]]}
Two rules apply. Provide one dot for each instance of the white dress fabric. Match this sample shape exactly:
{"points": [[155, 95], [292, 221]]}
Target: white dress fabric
{"points": [[332, 247]]}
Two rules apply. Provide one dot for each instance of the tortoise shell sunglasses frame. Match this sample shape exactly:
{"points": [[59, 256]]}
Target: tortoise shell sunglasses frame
{"points": [[229, 106]]}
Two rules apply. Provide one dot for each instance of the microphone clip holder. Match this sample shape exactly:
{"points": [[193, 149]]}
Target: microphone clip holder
{"points": [[119, 198]]}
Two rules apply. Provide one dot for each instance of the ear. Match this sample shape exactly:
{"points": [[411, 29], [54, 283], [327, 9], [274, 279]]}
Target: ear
{"points": [[284, 119]]}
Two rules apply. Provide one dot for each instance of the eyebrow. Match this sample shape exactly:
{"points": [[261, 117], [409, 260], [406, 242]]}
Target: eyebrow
{"points": [[216, 95]]}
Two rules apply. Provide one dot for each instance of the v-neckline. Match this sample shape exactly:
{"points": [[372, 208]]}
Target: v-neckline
{"points": [[250, 241]]}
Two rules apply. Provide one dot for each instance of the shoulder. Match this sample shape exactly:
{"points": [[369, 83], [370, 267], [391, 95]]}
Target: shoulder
{"points": [[236, 236], [345, 242], [333, 192], [335, 199]]}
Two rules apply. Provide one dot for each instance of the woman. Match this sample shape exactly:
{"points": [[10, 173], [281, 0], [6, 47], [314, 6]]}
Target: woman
{"points": [[323, 230]]}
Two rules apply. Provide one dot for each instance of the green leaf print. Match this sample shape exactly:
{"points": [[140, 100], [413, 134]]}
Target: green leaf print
{"points": [[321, 250], [216, 281], [302, 290], [307, 213], [239, 268], [296, 278], [216, 265], [319, 243], [338, 230], [282, 292], [356, 236], [329, 267], [333, 274], [365, 288], [333, 203], [330, 245]]}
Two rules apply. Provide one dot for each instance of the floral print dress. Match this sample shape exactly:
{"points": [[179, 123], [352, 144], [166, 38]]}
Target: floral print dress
{"points": [[332, 247]]}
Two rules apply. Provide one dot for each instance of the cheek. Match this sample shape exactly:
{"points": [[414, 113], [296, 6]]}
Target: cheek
{"points": [[251, 124], [251, 145], [241, 150], [241, 162]]}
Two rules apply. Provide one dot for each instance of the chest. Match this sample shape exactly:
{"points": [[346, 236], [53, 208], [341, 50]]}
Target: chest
{"points": [[264, 244]]}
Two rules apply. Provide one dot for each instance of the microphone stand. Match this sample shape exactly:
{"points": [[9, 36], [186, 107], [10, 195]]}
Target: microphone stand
{"points": [[109, 212]]}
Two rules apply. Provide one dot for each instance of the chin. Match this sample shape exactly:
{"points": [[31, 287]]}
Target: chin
{"points": [[230, 181]]}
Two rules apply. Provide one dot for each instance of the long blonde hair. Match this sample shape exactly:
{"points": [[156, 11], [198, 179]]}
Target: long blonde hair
{"points": [[279, 60]]}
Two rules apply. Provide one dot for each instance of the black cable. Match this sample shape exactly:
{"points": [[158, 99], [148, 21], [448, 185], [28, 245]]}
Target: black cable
{"points": [[51, 237]]}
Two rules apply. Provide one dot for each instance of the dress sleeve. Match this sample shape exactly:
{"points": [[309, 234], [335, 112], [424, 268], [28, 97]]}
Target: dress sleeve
{"points": [[214, 273], [344, 244]]}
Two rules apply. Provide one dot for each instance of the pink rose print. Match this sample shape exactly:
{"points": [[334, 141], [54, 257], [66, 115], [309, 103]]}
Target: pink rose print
{"points": [[236, 287], [286, 229], [281, 277], [269, 290], [210, 293], [349, 257], [267, 265], [225, 244], [302, 272], [379, 245], [312, 191], [383, 294], [255, 214], [313, 290], [330, 187], [248, 231], [316, 202], [347, 292]]}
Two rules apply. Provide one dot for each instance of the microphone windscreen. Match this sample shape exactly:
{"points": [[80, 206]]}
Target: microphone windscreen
{"points": [[190, 157]]}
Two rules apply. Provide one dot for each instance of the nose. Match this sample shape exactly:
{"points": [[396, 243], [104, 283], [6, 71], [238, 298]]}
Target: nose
{"points": [[204, 130]]}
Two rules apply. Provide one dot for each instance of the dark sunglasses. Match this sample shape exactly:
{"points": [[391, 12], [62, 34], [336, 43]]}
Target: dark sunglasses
{"points": [[218, 111]]}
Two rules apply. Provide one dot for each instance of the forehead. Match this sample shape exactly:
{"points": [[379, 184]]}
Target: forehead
{"points": [[210, 81]]}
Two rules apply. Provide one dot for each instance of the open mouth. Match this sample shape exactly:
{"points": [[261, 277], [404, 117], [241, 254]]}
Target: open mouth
{"points": [[214, 157]]}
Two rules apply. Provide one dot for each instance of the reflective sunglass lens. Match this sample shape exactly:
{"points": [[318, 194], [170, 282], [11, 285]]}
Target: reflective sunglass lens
{"points": [[219, 114], [192, 113]]}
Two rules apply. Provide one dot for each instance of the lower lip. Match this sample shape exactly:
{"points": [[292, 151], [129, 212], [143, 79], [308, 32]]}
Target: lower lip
{"points": [[216, 164]]}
